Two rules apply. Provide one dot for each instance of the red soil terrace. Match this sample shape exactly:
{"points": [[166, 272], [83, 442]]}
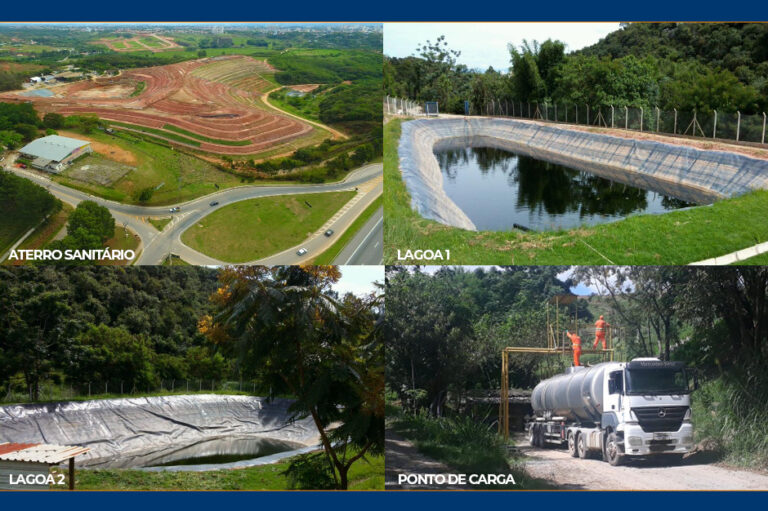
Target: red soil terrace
{"points": [[216, 97]]}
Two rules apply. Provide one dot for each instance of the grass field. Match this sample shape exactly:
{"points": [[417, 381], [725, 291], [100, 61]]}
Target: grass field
{"points": [[121, 241], [329, 255], [679, 237], [365, 474], [307, 106], [42, 234], [256, 228], [159, 223], [761, 260], [177, 176]]}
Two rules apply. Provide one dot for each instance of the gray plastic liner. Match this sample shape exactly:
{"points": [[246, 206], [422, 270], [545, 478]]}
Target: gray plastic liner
{"points": [[683, 172], [138, 432]]}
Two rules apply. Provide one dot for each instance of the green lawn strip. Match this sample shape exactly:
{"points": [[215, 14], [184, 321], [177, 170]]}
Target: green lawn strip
{"points": [[139, 89], [171, 127], [121, 242], [159, 223], [174, 261], [329, 255], [159, 133], [256, 228], [678, 237], [45, 233], [365, 474], [175, 175], [758, 260]]}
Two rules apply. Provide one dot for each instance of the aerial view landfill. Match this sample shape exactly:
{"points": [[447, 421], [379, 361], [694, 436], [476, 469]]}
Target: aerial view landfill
{"points": [[394, 257]]}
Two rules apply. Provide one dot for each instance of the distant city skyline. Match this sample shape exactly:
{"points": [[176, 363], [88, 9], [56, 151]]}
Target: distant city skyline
{"points": [[485, 44]]}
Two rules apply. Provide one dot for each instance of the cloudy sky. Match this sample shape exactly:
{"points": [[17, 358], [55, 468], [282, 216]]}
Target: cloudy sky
{"points": [[359, 279], [485, 44]]}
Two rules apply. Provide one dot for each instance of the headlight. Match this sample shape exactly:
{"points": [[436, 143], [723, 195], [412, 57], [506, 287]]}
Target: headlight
{"points": [[687, 416], [635, 441]]}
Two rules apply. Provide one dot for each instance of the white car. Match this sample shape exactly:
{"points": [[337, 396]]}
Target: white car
{"points": [[301, 251]]}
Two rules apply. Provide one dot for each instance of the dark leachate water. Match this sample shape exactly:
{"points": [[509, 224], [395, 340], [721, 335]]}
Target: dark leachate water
{"points": [[217, 451], [497, 189]]}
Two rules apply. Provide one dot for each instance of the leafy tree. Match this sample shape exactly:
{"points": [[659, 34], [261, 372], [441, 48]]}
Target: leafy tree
{"points": [[287, 325], [53, 120]]}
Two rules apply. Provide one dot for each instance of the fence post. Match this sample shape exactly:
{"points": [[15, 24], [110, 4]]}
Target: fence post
{"points": [[674, 131], [173, 385], [738, 125], [626, 117], [566, 112], [106, 387], [529, 110], [587, 114], [555, 112], [762, 140], [611, 116], [641, 119], [89, 389], [658, 115], [714, 126], [576, 106]]}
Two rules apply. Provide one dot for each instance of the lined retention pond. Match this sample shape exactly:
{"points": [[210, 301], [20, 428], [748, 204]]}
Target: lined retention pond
{"points": [[499, 190]]}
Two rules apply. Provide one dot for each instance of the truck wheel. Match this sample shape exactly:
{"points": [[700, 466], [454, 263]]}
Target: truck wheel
{"points": [[573, 449], [538, 439], [613, 451], [581, 444], [532, 435]]}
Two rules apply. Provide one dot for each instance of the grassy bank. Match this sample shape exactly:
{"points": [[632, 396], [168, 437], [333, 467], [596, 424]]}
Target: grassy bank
{"points": [[463, 444], [329, 255], [173, 176], [365, 474], [678, 237], [731, 424], [256, 228]]}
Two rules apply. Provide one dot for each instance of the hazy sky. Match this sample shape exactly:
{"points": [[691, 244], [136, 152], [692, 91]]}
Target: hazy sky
{"points": [[359, 279], [485, 44]]}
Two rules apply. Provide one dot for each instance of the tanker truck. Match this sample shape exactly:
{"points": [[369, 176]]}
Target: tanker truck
{"points": [[619, 410]]}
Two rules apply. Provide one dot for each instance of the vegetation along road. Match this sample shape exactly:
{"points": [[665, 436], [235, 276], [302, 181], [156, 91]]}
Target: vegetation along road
{"points": [[156, 246]]}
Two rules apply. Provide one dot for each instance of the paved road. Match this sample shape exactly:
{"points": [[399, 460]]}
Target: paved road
{"points": [[365, 247], [156, 246]]}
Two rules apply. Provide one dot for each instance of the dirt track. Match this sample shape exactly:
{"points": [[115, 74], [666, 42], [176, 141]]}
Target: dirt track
{"points": [[559, 468]]}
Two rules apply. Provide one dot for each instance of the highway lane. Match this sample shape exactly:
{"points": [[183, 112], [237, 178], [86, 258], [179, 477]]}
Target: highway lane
{"points": [[318, 242], [156, 246], [366, 246]]}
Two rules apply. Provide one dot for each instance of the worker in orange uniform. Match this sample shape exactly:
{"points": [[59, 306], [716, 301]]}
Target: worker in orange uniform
{"points": [[576, 341], [600, 326]]}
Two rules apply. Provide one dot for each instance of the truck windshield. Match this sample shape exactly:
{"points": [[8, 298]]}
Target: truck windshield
{"points": [[657, 381]]}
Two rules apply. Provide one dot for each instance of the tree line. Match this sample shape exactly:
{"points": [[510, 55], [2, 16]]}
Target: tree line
{"points": [[688, 66]]}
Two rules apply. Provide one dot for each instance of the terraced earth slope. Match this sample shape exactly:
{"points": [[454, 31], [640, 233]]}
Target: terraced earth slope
{"points": [[213, 104]]}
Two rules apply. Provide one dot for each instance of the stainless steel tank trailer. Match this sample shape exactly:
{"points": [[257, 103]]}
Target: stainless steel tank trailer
{"points": [[620, 410]]}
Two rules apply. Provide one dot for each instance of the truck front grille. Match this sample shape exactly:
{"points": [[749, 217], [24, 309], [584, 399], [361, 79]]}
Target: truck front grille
{"points": [[660, 418]]}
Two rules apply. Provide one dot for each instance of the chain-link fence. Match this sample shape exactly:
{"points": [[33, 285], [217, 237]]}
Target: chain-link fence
{"points": [[402, 106], [19, 392], [707, 124]]}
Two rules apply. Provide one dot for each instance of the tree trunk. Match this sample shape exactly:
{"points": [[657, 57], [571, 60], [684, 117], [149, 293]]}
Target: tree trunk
{"points": [[343, 482]]}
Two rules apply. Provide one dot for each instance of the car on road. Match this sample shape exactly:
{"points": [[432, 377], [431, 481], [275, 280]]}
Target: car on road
{"points": [[329, 233], [301, 251], [214, 203], [175, 209]]}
